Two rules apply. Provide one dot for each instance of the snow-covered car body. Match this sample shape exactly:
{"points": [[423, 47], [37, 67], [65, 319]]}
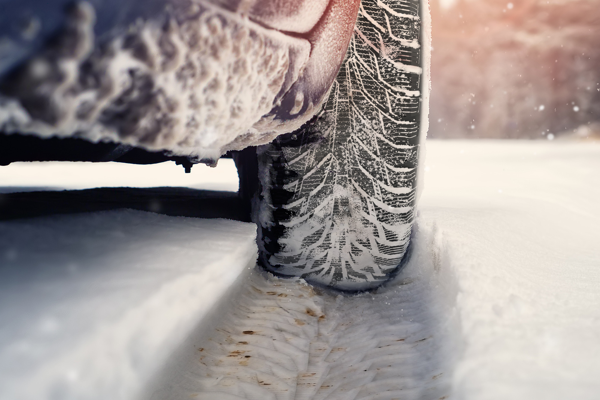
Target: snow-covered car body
{"points": [[194, 78]]}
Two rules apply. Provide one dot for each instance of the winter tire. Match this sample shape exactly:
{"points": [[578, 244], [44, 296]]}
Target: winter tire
{"points": [[337, 198]]}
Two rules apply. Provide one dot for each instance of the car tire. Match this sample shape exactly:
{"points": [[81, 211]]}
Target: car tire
{"points": [[336, 202]]}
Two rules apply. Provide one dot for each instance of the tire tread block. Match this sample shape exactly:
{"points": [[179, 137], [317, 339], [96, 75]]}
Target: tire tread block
{"points": [[354, 190]]}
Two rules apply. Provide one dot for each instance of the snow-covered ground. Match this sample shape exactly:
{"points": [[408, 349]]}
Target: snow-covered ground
{"points": [[500, 300], [520, 224]]}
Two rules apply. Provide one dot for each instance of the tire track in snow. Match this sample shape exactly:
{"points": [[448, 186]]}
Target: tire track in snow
{"points": [[285, 340]]}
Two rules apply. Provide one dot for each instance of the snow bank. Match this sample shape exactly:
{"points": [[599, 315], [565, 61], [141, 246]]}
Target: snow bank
{"points": [[521, 221], [92, 305]]}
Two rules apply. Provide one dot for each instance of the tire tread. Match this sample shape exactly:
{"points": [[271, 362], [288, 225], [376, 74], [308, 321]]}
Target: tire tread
{"points": [[352, 171]]}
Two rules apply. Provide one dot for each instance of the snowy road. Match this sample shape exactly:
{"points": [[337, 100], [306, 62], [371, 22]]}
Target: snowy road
{"points": [[501, 298]]}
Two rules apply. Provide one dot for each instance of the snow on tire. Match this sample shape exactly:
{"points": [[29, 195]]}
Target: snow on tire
{"points": [[337, 200]]}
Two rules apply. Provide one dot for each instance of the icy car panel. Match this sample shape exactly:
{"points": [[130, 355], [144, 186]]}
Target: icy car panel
{"points": [[195, 78]]}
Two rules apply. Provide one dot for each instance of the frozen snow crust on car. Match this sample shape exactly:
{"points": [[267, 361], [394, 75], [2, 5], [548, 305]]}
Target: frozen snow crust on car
{"points": [[196, 78], [192, 82]]}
